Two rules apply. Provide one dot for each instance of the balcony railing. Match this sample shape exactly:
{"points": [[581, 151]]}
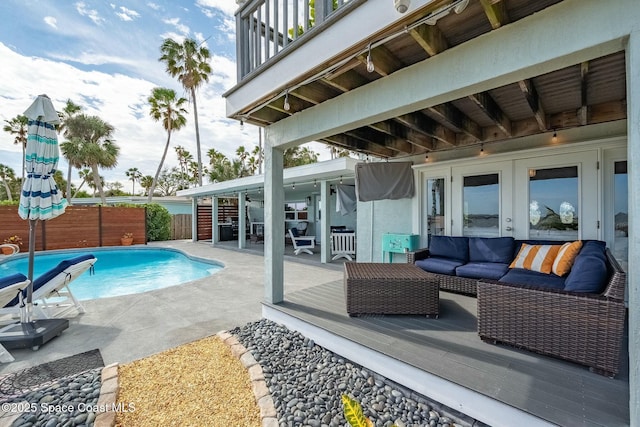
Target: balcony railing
{"points": [[264, 28]]}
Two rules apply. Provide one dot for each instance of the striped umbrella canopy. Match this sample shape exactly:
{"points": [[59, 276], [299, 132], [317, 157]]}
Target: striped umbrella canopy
{"points": [[40, 198]]}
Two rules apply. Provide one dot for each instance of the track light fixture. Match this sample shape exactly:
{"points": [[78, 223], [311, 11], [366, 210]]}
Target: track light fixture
{"points": [[287, 107], [370, 67]]}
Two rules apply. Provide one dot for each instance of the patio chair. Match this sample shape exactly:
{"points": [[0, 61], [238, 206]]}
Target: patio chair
{"points": [[302, 243], [11, 288], [51, 293]]}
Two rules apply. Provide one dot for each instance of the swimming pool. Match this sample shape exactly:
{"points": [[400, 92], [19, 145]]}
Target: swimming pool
{"points": [[119, 271]]}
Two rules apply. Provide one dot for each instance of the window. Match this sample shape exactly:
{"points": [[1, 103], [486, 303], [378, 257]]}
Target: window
{"points": [[621, 213], [553, 203], [296, 211]]}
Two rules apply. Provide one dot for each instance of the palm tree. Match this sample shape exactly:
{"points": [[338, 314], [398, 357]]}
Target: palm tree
{"points": [[96, 148], [70, 151], [18, 126], [166, 107], [85, 174], [7, 175], [189, 62], [146, 182], [134, 175]]}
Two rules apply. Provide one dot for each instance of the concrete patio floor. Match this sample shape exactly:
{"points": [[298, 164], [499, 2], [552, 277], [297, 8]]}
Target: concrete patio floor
{"points": [[131, 327]]}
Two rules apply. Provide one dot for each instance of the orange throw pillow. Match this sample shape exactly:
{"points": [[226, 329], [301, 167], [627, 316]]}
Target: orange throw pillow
{"points": [[536, 257], [566, 255]]}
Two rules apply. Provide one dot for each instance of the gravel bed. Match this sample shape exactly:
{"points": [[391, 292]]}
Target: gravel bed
{"points": [[69, 401], [307, 381]]}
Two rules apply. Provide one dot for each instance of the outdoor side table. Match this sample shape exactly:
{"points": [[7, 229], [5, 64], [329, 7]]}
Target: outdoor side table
{"points": [[378, 288]]}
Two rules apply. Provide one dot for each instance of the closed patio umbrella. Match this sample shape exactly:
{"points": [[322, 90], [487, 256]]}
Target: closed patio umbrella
{"points": [[39, 200]]}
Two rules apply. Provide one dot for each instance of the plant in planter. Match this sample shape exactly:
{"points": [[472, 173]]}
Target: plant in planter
{"points": [[10, 243], [126, 239]]}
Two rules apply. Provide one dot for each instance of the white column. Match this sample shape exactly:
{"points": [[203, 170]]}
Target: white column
{"points": [[194, 219], [242, 221], [633, 275], [274, 222], [325, 249], [215, 230]]}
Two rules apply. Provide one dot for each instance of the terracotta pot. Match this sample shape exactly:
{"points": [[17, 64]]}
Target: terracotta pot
{"points": [[6, 250], [126, 241]]}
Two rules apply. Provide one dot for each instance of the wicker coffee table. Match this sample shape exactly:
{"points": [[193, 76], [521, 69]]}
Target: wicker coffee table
{"points": [[376, 288]]}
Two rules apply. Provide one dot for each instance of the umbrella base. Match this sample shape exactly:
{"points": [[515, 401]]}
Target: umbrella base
{"points": [[32, 334]]}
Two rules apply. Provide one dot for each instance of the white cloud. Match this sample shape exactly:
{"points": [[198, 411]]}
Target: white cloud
{"points": [[127, 14], [228, 7], [91, 13], [153, 6], [51, 21], [176, 23]]}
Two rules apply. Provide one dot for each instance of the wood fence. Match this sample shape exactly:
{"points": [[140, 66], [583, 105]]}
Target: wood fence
{"points": [[204, 218], [181, 226], [80, 226]]}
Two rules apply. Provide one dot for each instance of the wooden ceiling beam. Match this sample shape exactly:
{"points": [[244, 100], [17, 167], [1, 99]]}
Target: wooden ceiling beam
{"points": [[496, 12], [447, 113], [315, 92], [373, 136], [533, 100], [583, 111], [421, 123], [346, 81], [393, 128], [430, 38], [493, 111], [359, 145]]}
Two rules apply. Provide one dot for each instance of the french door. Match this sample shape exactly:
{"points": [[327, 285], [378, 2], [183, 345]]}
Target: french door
{"points": [[482, 201]]}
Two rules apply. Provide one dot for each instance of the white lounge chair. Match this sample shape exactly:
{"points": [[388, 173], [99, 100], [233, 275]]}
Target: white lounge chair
{"points": [[51, 294], [343, 244], [302, 243], [11, 288]]}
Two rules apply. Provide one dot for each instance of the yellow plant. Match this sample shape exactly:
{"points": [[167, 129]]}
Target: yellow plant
{"points": [[127, 236], [15, 239], [353, 413]]}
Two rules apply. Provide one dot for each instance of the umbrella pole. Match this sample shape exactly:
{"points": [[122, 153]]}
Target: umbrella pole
{"points": [[32, 251]]}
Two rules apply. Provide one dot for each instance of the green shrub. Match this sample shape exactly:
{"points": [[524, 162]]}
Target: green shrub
{"points": [[158, 222]]}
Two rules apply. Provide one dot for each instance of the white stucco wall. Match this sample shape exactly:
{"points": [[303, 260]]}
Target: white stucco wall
{"points": [[377, 218]]}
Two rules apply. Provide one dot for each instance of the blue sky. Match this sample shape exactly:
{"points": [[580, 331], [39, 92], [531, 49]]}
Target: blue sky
{"points": [[104, 56]]}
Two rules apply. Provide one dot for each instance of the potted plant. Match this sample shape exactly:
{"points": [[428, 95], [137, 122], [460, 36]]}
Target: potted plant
{"points": [[126, 239], [11, 240]]}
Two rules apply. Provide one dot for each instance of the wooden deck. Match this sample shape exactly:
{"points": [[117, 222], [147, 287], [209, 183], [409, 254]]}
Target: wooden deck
{"points": [[445, 359]]}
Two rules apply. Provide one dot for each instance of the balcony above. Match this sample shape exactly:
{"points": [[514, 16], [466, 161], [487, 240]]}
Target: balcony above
{"points": [[344, 45]]}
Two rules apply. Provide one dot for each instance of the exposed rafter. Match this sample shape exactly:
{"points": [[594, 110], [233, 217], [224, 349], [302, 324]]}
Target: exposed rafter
{"points": [[430, 38], [496, 12], [491, 109], [583, 112], [533, 100]]}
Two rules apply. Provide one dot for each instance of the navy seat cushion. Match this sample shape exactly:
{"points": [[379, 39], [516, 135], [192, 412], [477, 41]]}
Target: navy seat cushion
{"points": [[63, 265], [449, 247], [520, 276], [589, 272], [10, 280], [303, 242], [439, 265], [482, 270], [491, 249], [294, 232]]}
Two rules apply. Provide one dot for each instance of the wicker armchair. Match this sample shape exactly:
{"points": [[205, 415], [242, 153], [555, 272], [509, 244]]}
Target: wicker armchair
{"points": [[459, 285], [579, 327]]}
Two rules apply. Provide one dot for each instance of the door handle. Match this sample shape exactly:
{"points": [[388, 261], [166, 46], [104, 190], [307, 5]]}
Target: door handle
{"points": [[509, 228]]}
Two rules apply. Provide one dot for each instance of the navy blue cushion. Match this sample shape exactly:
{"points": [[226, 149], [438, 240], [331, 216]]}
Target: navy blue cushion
{"points": [[63, 265], [482, 270], [450, 247], [491, 249], [520, 276], [439, 265], [588, 274], [10, 280], [294, 232], [303, 242]]}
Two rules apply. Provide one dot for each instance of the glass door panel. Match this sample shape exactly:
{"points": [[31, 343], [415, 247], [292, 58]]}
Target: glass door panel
{"points": [[434, 207], [621, 214], [481, 205], [553, 203]]}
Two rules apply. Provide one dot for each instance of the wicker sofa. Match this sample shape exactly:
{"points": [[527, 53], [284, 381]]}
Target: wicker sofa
{"points": [[579, 317]]}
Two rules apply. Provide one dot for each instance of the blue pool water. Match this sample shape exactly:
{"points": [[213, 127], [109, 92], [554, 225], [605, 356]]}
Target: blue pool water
{"points": [[119, 271]]}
